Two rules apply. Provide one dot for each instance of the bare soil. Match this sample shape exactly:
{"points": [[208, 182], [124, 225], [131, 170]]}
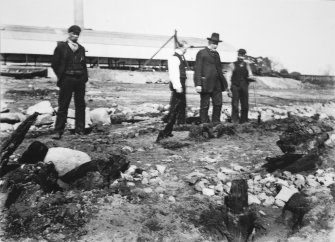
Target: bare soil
{"points": [[156, 216]]}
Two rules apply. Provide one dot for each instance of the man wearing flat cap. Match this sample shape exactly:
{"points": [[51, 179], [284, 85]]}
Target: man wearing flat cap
{"points": [[239, 75], [69, 65], [209, 80]]}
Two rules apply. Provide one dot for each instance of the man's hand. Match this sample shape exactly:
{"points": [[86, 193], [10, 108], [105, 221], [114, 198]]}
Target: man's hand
{"points": [[179, 90], [198, 89], [229, 93]]}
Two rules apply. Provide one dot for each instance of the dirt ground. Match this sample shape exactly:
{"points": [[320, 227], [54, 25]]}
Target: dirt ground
{"points": [[171, 210]]}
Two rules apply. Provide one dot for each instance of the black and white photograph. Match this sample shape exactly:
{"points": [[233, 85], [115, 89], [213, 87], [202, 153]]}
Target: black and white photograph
{"points": [[167, 120]]}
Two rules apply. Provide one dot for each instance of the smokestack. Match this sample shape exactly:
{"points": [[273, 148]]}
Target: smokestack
{"points": [[78, 13]]}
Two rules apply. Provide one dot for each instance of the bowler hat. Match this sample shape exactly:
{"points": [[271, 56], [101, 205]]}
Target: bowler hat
{"points": [[215, 37], [74, 29]]}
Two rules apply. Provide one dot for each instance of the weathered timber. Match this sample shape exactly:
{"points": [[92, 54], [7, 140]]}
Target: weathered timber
{"points": [[12, 142], [280, 162], [239, 219], [298, 205]]}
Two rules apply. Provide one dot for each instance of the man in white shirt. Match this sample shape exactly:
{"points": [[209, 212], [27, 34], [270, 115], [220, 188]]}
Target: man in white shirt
{"points": [[240, 75], [177, 73]]}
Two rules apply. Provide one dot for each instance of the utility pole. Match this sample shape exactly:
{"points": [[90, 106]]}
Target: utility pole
{"points": [[78, 8]]}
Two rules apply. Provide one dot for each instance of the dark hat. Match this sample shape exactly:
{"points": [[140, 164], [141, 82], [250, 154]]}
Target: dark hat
{"points": [[241, 52], [215, 37], [74, 29]]}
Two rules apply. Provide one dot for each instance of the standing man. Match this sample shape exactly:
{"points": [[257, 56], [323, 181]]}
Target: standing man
{"points": [[209, 80], [69, 64], [177, 74], [240, 75]]}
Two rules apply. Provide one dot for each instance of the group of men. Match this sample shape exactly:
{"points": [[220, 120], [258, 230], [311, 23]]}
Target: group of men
{"points": [[69, 65], [209, 82]]}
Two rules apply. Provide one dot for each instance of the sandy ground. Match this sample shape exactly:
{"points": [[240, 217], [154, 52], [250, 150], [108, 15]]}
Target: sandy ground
{"points": [[155, 216]]}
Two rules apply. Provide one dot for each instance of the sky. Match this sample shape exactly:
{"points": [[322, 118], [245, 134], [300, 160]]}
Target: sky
{"points": [[298, 35]]}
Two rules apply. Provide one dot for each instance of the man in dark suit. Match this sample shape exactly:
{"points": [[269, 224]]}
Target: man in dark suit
{"points": [[209, 80], [69, 65]]}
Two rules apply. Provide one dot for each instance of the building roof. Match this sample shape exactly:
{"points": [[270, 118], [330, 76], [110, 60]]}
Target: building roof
{"points": [[17, 39]]}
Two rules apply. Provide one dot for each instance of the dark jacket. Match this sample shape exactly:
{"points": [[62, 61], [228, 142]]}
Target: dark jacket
{"points": [[240, 74], [208, 71], [63, 60]]}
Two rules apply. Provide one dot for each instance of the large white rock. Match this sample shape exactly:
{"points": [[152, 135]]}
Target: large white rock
{"points": [[252, 199], [66, 159], [286, 193], [12, 117], [208, 191], [44, 119], [100, 115], [43, 107]]}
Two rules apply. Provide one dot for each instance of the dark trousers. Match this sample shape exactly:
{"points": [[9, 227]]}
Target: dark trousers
{"points": [[181, 113], [216, 97], [177, 109], [240, 95], [68, 86]]}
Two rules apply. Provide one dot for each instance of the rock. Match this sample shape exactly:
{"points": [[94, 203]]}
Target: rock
{"points": [[286, 193], [44, 119], [299, 181], [147, 190], [219, 187], [326, 180], [172, 199], [159, 190], [43, 107], [161, 168], [252, 199], [208, 160], [282, 182], [6, 127], [279, 203], [227, 170], [199, 186], [222, 177], [195, 174], [131, 170], [145, 181], [100, 116], [237, 167], [127, 149], [154, 173], [269, 201], [66, 159], [12, 118], [262, 196], [311, 181], [208, 191]]}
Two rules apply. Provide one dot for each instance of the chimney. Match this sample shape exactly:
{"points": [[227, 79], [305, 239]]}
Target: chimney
{"points": [[78, 8]]}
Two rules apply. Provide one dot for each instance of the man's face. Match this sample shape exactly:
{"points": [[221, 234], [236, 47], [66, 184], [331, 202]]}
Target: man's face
{"points": [[74, 36], [241, 57], [213, 44]]}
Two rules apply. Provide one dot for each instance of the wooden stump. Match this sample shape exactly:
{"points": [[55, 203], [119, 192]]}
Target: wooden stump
{"points": [[239, 219]]}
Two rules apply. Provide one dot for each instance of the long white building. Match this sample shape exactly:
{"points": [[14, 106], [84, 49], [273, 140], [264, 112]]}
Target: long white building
{"points": [[112, 49]]}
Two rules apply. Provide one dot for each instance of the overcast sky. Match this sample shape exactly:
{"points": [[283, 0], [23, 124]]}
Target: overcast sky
{"points": [[299, 34]]}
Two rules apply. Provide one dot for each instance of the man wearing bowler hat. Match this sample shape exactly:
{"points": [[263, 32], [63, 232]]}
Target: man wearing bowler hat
{"points": [[209, 80], [69, 65]]}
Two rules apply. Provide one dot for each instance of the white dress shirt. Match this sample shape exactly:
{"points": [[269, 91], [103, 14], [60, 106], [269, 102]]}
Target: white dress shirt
{"points": [[174, 73]]}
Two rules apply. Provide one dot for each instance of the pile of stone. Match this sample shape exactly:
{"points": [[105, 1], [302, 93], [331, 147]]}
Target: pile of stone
{"points": [[267, 190], [105, 116]]}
